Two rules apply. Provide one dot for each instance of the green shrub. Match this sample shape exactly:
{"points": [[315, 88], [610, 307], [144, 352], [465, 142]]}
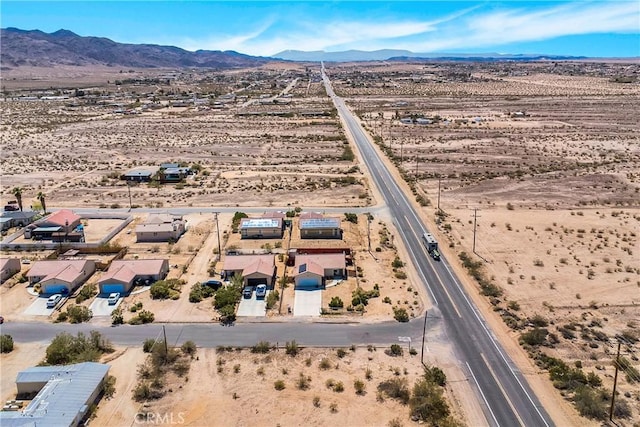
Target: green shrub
{"points": [[148, 345], [360, 387], [303, 382], [87, 292], [395, 350], [262, 347], [435, 375], [397, 263], [189, 348], [66, 349], [279, 385], [144, 316], [534, 337], [338, 387], [428, 403], [400, 314], [396, 388], [291, 348], [6, 343], [341, 353], [229, 295], [591, 403], [272, 299], [169, 288], [79, 314], [336, 302], [116, 317], [351, 217], [325, 364]]}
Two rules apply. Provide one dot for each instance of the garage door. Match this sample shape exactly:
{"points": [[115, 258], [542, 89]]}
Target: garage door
{"points": [[257, 281], [308, 283], [111, 288], [54, 288]]}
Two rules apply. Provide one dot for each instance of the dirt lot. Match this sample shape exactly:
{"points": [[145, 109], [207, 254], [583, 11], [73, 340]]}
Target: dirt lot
{"points": [[23, 356], [248, 397]]}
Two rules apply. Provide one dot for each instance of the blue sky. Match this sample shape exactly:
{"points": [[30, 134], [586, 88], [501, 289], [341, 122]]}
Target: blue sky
{"points": [[589, 28]]}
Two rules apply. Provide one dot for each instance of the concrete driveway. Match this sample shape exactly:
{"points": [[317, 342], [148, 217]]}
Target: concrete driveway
{"points": [[39, 307], [100, 306], [307, 302], [252, 306]]}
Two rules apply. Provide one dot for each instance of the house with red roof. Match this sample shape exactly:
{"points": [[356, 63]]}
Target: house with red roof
{"points": [[124, 274], [60, 276], [312, 270], [254, 269]]}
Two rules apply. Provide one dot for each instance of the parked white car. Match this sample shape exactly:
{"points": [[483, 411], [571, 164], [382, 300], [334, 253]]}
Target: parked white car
{"points": [[53, 300], [113, 298]]}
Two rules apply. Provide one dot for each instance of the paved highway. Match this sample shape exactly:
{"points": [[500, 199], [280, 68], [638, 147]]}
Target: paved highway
{"points": [[508, 399]]}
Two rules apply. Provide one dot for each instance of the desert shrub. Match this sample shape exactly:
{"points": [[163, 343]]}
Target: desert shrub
{"points": [[109, 386], [195, 294], [534, 337], [325, 364], [148, 344], [235, 222], [279, 385], [351, 217], [360, 387], [360, 296], [395, 350], [341, 353], [144, 316], [116, 317], [6, 343], [66, 349], [396, 388], [338, 387], [435, 375], [79, 314], [229, 295], [336, 302], [591, 403], [272, 298], [400, 314], [87, 292], [427, 403], [303, 382], [163, 289], [262, 347], [189, 348], [291, 348], [539, 321], [316, 401], [62, 317], [397, 263]]}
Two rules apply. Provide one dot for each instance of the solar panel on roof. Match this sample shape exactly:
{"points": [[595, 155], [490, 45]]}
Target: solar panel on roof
{"points": [[320, 223]]}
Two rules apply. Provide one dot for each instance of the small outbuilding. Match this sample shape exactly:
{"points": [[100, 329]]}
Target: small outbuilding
{"points": [[261, 228], [124, 274], [8, 267], [10, 219], [63, 394], [61, 276], [254, 269]]}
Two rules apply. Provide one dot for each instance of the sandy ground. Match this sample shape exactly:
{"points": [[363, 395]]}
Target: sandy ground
{"points": [[257, 403]]}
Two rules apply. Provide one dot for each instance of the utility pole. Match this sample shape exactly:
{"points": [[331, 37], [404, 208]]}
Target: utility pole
{"points": [[615, 383], [129, 188], [369, 230], [416, 174], [475, 223], [424, 333], [218, 230], [439, 180], [166, 346]]}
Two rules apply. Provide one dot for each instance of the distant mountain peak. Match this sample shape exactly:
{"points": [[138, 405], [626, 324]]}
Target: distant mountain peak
{"points": [[63, 47]]}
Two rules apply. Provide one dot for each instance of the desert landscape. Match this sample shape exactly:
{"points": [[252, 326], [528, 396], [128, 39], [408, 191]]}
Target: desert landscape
{"points": [[526, 172]]}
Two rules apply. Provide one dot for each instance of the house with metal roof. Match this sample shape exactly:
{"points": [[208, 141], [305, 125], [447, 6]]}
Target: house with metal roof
{"points": [[8, 267], [63, 395], [10, 219], [312, 270], [261, 228], [254, 269], [142, 174], [58, 226], [61, 276], [315, 226], [124, 274]]}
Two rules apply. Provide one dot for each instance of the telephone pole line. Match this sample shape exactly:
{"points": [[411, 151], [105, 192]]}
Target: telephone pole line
{"points": [[475, 226], [615, 383], [218, 231], [439, 180]]}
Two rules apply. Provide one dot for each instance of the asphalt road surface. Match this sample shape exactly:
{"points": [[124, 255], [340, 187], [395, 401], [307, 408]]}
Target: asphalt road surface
{"points": [[508, 399]]}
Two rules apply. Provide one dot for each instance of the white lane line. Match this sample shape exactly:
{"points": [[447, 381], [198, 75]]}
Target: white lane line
{"points": [[482, 394], [502, 390], [495, 344]]}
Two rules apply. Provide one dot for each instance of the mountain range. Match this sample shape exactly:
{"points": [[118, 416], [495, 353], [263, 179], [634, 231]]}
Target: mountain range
{"points": [[63, 47]]}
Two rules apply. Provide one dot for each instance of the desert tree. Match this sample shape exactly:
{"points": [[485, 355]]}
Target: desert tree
{"points": [[41, 199], [17, 192]]}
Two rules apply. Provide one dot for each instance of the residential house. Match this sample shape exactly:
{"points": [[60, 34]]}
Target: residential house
{"points": [[61, 276], [254, 269], [312, 270], [10, 219], [124, 274], [142, 174], [62, 225], [8, 267], [316, 226], [63, 395], [161, 228], [261, 228]]}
